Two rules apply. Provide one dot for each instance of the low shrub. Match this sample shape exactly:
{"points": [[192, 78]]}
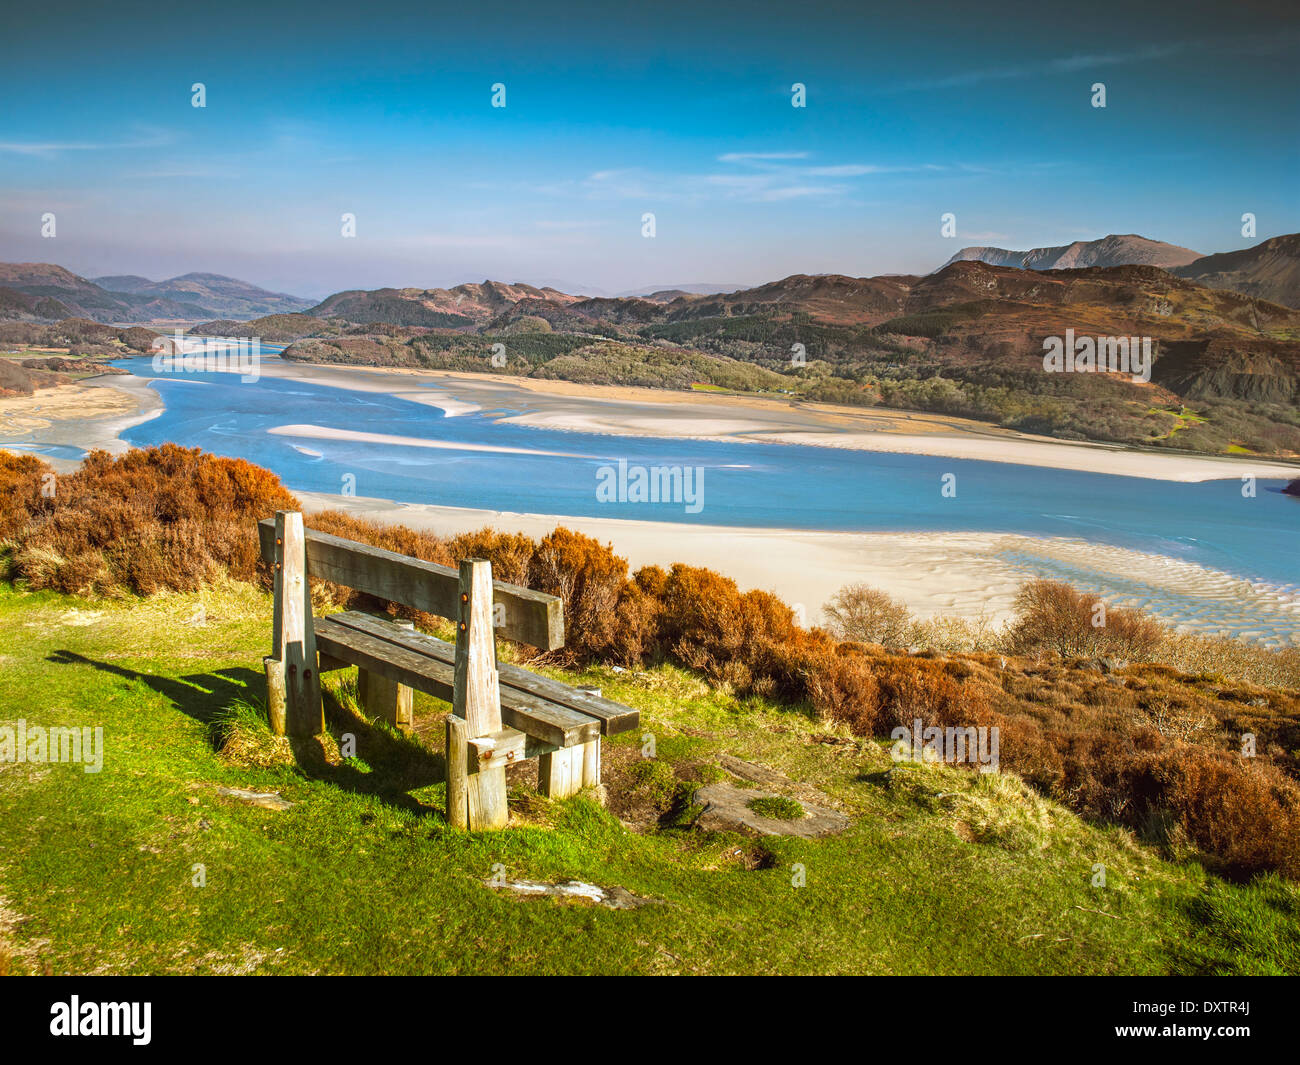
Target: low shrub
{"points": [[165, 518], [860, 612], [1055, 617]]}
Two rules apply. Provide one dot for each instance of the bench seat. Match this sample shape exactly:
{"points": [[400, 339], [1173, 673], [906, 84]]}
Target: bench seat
{"points": [[545, 710]]}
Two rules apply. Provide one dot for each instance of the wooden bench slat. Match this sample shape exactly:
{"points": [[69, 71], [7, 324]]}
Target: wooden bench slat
{"points": [[546, 721], [613, 717], [530, 617]]}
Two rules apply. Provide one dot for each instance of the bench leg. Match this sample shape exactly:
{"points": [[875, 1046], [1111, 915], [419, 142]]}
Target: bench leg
{"points": [[294, 638], [457, 772], [277, 699], [553, 773], [386, 699], [591, 764], [566, 772]]}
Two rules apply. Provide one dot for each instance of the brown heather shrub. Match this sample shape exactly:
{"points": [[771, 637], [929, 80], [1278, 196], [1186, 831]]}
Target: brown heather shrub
{"points": [[1242, 813], [20, 491], [912, 688], [1055, 617], [841, 686], [154, 519], [589, 578], [511, 554]]}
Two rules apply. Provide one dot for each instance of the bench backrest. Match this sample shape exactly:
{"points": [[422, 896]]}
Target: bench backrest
{"points": [[519, 613]]}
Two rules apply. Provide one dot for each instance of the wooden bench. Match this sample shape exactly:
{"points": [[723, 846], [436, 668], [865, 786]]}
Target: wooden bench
{"points": [[501, 714]]}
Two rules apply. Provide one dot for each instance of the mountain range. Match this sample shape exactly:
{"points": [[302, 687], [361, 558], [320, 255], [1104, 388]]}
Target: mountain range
{"points": [[1270, 271], [43, 291], [215, 293]]}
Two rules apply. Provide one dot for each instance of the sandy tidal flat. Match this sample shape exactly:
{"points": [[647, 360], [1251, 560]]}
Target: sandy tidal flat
{"points": [[645, 412]]}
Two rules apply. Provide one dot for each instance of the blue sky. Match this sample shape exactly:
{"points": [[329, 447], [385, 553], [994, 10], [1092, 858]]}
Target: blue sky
{"points": [[680, 110]]}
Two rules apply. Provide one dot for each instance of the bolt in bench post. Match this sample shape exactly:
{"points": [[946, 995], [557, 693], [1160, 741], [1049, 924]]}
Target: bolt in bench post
{"points": [[476, 702]]}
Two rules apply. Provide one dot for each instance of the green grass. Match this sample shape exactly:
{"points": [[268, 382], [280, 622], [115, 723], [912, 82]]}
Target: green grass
{"points": [[942, 870]]}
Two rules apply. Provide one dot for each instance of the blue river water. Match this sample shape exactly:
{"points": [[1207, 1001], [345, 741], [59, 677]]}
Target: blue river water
{"points": [[744, 484]]}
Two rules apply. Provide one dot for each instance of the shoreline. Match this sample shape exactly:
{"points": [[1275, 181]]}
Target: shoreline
{"points": [[970, 576], [961, 575], [621, 410], [89, 415]]}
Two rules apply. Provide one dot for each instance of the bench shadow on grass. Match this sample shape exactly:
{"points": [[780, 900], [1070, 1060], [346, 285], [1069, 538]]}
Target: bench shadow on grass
{"points": [[397, 764]]}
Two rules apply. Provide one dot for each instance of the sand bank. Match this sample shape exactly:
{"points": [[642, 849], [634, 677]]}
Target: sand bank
{"points": [[647, 412], [88, 415]]}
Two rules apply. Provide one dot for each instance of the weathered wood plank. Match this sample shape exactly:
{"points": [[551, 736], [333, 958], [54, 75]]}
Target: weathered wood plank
{"points": [[506, 748], [613, 717], [411, 666], [295, 640], [521, 614], [476, 695]]}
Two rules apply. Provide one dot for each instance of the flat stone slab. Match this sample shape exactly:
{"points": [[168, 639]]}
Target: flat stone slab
{"points": [[726, 808], [268, 800], [615, 898], [759, 774]]}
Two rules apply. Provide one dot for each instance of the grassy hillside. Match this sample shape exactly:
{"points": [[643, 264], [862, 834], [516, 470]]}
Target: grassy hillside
{"points": [[942, 870]]}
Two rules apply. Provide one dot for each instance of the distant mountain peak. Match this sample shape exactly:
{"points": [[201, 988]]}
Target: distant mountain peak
{"points": [[1117, 249]]}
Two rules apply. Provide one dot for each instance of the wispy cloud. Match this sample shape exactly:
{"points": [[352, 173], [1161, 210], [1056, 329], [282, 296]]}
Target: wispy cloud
{"points": [[148, 139], [1059, 65], [1245, 44], [753, 177], [750, 157]]}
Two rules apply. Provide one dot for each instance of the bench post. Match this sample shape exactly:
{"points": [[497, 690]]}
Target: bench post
{"points": [[476, 701], [293, 685]]}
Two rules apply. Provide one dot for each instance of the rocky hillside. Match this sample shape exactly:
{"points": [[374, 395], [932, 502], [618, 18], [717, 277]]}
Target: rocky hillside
{"points": [[463, 305], [1270, 270], [1115, 250]]}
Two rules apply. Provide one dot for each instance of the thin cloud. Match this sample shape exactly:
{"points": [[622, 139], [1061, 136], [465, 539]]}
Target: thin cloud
{"points": [[748, 157], [1059, 65], [152, 139]]}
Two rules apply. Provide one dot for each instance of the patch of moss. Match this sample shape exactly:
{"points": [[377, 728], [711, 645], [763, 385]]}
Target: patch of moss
{"points": [[653, 781], [777, 807], [712, 774]]}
